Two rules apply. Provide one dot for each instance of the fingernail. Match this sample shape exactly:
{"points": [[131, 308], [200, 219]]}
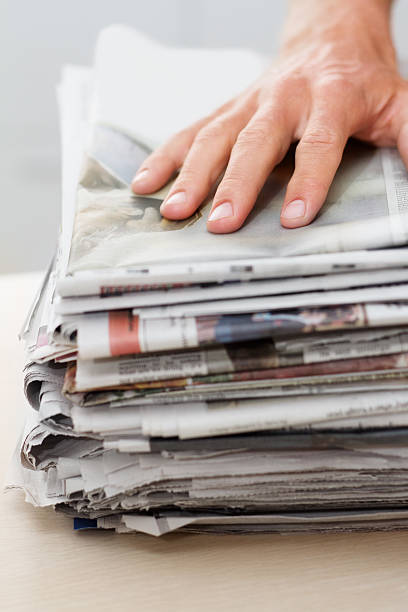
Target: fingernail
{"points": [[176, 199], [140, 176], [222, 211], [294, 210]]}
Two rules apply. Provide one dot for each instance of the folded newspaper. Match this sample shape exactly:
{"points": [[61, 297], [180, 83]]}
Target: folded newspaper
{"points": [[181, 380]]}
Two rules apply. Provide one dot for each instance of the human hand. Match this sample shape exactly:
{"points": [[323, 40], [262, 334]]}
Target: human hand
{"points": [[336, 77]]}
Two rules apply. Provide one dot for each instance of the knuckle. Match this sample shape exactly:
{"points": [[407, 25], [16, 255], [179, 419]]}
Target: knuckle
{"points": [[320, 137], [288, 82], [187, 176], [213, 130], [192, 178], [231, 182], [312, 184], [204, 136], [254, 135], [335, 85]]}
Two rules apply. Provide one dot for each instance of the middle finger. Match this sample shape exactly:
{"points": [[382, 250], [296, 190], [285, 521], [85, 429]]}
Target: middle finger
{"points": [[205, 161], [260, 146]]}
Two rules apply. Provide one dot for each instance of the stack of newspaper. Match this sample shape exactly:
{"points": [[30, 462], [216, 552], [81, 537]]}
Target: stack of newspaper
{"points": [[251, 382]]}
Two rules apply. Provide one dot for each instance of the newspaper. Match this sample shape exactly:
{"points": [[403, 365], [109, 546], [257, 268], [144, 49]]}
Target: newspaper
{"points": [[127, 370], [108, 334], [104, 284], [110, 300], [272, 440], [284, 524], [201, 419], [359, 369]]}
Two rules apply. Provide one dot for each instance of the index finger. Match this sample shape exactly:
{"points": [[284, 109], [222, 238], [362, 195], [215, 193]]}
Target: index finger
{"points": [[161, 165]]}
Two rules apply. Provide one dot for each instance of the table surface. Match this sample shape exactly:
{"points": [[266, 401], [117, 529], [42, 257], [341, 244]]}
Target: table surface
{"points": [[46, 566]]}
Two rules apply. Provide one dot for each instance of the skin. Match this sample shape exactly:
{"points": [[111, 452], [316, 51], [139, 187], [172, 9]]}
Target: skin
{"points": [[335, 78]]}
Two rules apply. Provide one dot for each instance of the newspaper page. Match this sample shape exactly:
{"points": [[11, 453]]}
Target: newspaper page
{"points": [[124, 298], [203, 419], [381, 363], [358, 382], [268, 440], [397, 293], [335, 521], [104, 283]]}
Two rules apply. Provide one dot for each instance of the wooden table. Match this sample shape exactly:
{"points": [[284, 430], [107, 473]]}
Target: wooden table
{"points": [[45, 566]]}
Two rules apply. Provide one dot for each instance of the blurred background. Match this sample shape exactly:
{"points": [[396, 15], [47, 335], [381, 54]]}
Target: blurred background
{"points": [[36, 38]]}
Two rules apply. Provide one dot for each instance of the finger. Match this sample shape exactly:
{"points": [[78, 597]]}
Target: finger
{"points": [[159, 167], [204, 163], [318, 156], [259, 147]]}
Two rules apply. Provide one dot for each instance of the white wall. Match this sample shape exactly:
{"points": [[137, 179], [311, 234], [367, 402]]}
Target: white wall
{"points": [[36, 38]]}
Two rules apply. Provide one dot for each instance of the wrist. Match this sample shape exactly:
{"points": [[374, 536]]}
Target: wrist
{"points": [[351, 24]]}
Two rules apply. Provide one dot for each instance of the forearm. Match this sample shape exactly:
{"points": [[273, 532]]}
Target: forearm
{"points": [[361, 26]]}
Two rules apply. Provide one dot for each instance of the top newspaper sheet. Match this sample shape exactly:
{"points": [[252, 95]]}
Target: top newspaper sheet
{"points": [[112, 229]]}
